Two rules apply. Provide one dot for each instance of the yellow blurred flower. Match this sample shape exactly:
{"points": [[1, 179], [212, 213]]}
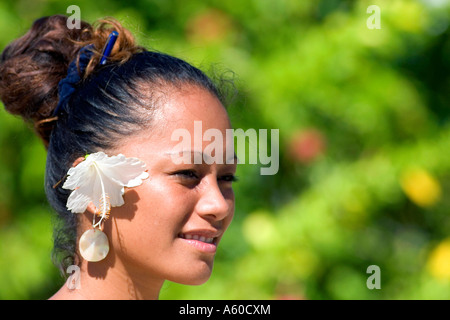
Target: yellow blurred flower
{"points": [[439, 261], [407, 15], [259, 230], [421, 187]]}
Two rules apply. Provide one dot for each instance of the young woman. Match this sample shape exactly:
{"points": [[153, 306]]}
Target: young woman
{"points": [[107, 120]]}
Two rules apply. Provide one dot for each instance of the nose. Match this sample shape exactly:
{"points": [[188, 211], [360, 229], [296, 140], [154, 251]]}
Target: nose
{"points": [[215, 203]]}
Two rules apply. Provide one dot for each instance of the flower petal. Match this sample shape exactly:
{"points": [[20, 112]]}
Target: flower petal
{"points": [[112, 189], [78, 201], [78, 175], [128, 172], [137, 181]]}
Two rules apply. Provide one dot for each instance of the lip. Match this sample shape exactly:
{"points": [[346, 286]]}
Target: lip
{"points": [[201, 245]]}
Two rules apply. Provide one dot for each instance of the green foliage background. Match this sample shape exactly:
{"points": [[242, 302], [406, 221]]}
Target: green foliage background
{"points": [[364, 128]]}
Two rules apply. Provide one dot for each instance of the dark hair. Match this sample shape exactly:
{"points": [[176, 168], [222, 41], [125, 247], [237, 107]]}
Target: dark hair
{"points": [[110, 101]]}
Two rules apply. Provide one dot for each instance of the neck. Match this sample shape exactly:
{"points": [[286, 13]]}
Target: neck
{"points": [[99, 281]]}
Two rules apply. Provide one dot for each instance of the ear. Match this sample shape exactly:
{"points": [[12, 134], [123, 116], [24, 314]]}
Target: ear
{"points": [[77, 162], [91, 208]]}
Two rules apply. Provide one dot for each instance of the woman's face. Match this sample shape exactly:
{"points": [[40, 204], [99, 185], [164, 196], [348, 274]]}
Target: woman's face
{"points": [[170, 226]]}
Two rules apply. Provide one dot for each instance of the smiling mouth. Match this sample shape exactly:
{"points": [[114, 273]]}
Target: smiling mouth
{"points": [[210, 240]]}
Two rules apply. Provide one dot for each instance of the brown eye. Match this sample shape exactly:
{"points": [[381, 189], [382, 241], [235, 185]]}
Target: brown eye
{"points": [[228, 178], [186, 174]]}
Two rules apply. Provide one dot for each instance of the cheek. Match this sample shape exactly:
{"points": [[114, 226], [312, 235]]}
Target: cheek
{"points": [[164, 206], [151, 219]]}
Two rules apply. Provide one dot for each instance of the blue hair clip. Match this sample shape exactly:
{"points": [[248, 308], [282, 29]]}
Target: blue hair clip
{"points": [[68, 85], [108, 47]]}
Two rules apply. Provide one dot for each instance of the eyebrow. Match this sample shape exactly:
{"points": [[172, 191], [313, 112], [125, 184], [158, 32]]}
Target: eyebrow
{"points": [[231, 160]]}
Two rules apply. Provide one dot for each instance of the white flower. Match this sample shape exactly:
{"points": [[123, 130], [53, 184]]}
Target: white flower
{"points": [[100, 177]]}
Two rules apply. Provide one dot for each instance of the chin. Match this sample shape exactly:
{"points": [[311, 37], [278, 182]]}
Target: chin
{"points": [[193, 276]]}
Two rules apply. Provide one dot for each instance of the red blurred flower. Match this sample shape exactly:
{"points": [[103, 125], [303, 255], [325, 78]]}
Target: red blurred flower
{"points": [[209, 26], [306, 146]]}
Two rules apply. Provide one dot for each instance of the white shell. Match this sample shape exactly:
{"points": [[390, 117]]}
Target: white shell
{"points": [[94, 245]]}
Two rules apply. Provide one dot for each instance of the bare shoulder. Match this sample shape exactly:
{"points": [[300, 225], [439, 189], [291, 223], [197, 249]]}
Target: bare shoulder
{"points": [[67, 294]]}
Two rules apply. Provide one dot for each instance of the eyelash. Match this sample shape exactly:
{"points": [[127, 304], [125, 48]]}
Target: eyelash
{"points": [[190, 174], [229, 178]]}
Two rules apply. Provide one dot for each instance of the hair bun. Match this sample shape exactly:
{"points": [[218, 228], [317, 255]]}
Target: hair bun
{"points": [[32, 65]]}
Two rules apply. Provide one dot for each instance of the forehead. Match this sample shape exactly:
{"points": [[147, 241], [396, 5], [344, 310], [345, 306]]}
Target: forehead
{"points": [[192, 104], [192, 110]]}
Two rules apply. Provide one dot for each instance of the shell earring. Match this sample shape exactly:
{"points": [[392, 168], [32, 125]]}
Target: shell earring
{"points": [[94, 244]]}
